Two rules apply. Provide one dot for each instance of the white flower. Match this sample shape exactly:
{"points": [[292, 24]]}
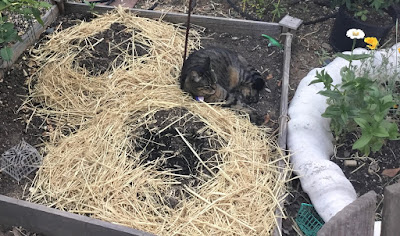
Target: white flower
{"points": [[355, 34]]}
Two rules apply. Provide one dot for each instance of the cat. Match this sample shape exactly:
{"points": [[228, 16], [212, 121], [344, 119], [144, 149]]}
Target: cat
{"points": [[221, 75]]}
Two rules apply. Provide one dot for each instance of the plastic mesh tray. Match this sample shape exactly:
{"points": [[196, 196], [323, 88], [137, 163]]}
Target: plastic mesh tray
{"points": [[308, 220], [20, 160]]}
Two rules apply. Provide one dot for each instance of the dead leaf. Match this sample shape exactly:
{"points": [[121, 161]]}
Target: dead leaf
{"points": [[279, 83], [269, 76], [267, 118], [391, 172]]}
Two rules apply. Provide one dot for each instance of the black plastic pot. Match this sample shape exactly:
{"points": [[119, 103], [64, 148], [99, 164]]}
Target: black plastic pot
{"points": [[345, 21]]}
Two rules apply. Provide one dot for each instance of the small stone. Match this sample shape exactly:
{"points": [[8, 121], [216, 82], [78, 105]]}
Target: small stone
{"points": [[346, 154], [351, 163], [235, 38], [49, 30], [326, 46]]}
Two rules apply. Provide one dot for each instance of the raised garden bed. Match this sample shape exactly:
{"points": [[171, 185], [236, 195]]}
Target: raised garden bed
{"points": [[253, 49]]}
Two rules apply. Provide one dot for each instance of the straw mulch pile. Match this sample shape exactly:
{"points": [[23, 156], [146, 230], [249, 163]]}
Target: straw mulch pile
{"points": [[92, 165]]}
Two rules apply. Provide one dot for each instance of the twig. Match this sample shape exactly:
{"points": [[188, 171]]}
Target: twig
{"points": [[193, 151]]}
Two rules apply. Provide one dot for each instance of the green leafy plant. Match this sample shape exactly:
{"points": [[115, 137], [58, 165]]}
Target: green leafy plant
{"points": [[323, 56], [91, 5], [261, 7], [362, 8], [8, 33], [361, 103]]}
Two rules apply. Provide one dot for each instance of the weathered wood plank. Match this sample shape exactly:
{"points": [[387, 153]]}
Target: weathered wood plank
{"points": [[49, 221], [31, 36], [358, 218], [283, 118], [391, 211], [218, 24]]}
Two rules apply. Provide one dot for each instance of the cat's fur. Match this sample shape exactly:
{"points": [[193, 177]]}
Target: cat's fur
{"points": [[219, 75]]}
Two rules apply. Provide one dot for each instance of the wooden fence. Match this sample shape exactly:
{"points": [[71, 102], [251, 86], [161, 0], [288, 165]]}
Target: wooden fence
{"points": [[358, 218]]}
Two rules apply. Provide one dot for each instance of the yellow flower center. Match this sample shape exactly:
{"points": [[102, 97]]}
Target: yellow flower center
{"points": [[356, 33]]}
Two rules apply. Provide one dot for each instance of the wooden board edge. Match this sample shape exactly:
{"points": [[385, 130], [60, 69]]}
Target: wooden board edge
{"points": [[31, 36], [218, 24], [50, 221], [283, 119]]}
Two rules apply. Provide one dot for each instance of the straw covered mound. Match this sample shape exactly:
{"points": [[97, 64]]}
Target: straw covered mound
{"points": [[105, 158]]}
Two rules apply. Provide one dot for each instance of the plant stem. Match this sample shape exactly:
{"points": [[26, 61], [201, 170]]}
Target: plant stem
{"points": [[352, 49]]}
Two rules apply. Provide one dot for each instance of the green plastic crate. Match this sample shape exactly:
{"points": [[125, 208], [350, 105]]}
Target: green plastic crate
{"points": [[308, 220]]}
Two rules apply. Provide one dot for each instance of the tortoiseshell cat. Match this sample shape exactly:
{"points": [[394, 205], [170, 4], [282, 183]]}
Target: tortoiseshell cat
{"points": [[218, 75]]}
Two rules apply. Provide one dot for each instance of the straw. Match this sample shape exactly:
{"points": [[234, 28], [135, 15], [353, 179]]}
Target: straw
{"points": [[92, 165]]}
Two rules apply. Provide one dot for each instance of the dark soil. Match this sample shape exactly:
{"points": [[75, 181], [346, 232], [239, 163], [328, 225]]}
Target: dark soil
{"points": [[162, 141], [367, 174], [106, 54], [165, 141], [16, 231], [13, 128]]}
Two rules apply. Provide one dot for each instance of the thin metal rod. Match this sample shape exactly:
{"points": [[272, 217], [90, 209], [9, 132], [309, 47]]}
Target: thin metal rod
{"points": [[187, 29]]}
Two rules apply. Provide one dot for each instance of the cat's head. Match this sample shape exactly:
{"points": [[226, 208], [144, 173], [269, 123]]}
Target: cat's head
{"points": [[201, 80]]}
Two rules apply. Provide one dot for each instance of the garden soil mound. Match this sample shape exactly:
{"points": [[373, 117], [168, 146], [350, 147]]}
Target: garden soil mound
{"points": [[126, 145]]}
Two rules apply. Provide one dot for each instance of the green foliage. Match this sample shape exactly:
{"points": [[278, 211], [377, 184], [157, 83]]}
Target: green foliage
{"points": [[8, 33], [261, 7], [91, 5], [361, 104], [323, 56], [362, 8]]}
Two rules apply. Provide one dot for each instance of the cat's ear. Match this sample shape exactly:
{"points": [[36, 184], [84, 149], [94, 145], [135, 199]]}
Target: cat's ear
{"points": [[195, 76]]}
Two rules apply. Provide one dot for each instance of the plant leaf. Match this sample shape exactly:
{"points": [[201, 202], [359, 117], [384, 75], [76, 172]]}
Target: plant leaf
{"points": [[354, 56], [380, 132], [377, 145], [36, 14], [6, 53], [44, 4], [330, 94], [361, 122], [362, 141]]}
